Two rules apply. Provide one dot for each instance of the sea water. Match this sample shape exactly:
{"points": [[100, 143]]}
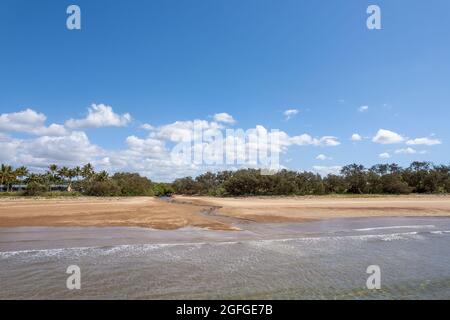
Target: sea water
{"points": [[318, 260]]}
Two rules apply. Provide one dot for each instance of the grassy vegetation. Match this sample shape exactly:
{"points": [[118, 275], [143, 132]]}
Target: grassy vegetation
{"points": [[53, 194]]}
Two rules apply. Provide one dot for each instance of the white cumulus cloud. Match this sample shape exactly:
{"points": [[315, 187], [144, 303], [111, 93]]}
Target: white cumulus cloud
{"points": [[423, 141], [363, 109], [147, 126], [323, 157], [356, 137], [73, 149], [186, 130], [288, 114], [224, 118], [406, 151], [31, 122], [100, 115], [384, 136], [152, 155], [305, 139]]}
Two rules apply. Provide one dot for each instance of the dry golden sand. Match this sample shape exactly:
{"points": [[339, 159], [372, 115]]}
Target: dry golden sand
{"points": [[190, 211], [277, 209], [101, 212]]}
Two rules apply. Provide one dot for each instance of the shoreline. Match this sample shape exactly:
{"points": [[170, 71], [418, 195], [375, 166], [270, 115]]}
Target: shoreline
{"points": [[34, 239], [218, 262], [210, 213]]}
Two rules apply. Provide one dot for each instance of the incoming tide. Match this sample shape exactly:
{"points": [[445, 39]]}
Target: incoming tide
{"points": [[317, 260]]}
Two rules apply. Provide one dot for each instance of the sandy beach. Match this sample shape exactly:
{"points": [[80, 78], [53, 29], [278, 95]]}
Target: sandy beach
{"points": [[104, 212], [277, 209], [208, 212], [182, 248]]}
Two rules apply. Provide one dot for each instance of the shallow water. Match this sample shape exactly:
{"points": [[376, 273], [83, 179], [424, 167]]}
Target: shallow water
{"points": [[318, 260]]}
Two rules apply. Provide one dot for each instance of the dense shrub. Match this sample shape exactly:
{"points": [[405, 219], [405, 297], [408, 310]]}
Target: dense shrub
{"points": [[132, 184], [419, 177], [243, 182], [35, 189], [335, 184], [162, 189], [185, 186], [102, 189], [393, 184]]}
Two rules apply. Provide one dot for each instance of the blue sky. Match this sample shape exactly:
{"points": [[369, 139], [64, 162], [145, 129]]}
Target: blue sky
{"points": [[167, 61]]}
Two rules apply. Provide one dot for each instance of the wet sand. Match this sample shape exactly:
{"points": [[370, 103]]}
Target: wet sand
{"points": [[208, 212]]}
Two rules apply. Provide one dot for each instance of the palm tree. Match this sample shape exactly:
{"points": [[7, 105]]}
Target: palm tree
{"points": [[77, 171], [101, 176], [63, 173], [35, 178], [71, 173], [87, 171], [7, 175], [21, 172], [53, 169], [3, 174]]}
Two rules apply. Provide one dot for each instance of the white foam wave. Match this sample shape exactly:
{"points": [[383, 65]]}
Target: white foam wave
{"points": [[440, 232], [79, 251], [397, 227], [143, 248]]}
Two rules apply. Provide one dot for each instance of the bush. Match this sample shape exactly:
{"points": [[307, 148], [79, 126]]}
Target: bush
{"points": [[35, 189], [335, 184], [162, 189], [217, 192], [186, 186], [243, 183], [393, 184], [132, 184], [106, 188]]}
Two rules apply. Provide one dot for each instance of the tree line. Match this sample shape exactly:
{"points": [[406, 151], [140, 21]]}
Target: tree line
{"points": [[419, 177], [79, 180]]}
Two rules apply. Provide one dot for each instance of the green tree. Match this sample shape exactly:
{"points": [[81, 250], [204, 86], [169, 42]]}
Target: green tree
{"points": [[393, 184], [102, 188], [7, 176], [53, 169], [416, 176], [132, 184], [356, 178], [335, 184], [185, 185], [21, 172], [162, 189], [100, 176], [243, 182], [87, 171], [77, 172], [63, 173]]}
